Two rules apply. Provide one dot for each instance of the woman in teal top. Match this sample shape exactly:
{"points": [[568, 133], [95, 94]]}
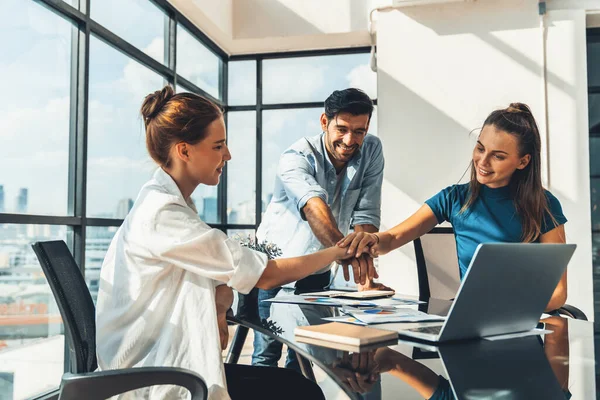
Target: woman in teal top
{"points": [[503, 202]]}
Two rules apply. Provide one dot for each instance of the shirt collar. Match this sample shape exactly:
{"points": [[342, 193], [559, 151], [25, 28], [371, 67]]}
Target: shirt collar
{"points": [[166, 181], [503, 192]]}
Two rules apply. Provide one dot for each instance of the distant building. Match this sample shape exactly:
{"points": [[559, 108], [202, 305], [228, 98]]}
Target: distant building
{"points": [[232, 217], [22, 200], [96, 244], [2, 198], [123, 208], [210, 209]]}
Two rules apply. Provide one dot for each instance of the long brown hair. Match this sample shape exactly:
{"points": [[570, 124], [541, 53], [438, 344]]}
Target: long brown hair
{"points": [[525, 184], [172, 118]]}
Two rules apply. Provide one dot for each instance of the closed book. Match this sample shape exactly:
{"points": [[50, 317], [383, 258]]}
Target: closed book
{"points": [[352, 335]]}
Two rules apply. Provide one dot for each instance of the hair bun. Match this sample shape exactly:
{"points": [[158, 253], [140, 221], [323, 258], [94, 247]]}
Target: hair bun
{"points": [[154, 102], [518, 107]]}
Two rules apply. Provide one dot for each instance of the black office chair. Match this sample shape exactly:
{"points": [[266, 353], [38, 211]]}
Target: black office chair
{"points": [[78, 313], [437, 269]]}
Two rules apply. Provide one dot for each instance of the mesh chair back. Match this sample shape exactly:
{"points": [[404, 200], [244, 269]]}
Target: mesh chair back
{"points": [[74, 302], [437, 264]]}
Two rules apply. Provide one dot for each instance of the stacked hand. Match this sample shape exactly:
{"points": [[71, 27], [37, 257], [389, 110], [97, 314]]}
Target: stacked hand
{"points": [[361, 247], [360, 243]]}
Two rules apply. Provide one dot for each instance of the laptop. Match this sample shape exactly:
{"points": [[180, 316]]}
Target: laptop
{"points": [[505, 290], [513, 368]]}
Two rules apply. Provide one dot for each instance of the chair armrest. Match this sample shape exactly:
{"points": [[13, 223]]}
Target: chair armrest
{"points": [[105, 384], [572, 311]]}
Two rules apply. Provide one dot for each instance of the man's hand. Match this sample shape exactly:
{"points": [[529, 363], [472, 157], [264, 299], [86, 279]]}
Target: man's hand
{"points": [[363, 269], [370, 285]]}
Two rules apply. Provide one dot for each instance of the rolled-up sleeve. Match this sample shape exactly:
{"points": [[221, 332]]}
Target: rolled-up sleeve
{"points": [[368, 206], [179, 238], [297, 177]]}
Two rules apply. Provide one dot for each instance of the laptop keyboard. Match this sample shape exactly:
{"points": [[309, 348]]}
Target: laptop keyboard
{"points": [[428, 329]]}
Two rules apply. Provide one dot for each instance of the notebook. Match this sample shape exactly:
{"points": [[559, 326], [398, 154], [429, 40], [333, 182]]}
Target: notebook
{"points": [[366, 294], [344, 336]]}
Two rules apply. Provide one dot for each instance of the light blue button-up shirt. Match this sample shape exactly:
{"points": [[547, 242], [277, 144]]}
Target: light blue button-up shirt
{"points": [[305, 171]]}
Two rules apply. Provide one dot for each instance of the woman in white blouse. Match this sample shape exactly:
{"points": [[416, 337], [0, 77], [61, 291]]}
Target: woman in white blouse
{"points": [[167, 277]]}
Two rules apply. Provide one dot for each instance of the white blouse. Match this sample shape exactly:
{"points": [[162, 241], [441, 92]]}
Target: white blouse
{"points": [[156, 302]]}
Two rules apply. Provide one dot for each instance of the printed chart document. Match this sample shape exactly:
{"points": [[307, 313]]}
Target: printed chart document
{"points": [[343, 336], [381, 315], [346, 319]]}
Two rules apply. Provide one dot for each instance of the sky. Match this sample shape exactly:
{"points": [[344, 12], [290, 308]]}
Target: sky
{"points": [[35, 113]]}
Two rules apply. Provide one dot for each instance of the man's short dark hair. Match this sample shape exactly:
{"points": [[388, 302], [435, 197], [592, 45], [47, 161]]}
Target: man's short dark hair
{"points": [[353, 101]]}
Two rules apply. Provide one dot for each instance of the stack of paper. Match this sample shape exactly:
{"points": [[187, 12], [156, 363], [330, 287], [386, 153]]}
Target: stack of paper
{"points": [[381, 315]]}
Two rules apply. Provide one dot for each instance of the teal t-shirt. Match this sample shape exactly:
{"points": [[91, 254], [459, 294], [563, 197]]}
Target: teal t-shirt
{"points": [[492, 218]]}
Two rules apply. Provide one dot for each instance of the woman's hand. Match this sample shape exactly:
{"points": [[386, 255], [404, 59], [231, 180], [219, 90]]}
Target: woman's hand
{"points": [[358, 243], [223, 330], [223, 300]]}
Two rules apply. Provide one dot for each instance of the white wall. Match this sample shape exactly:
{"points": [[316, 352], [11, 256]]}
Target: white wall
{"points": [[213, 18], [282, 25], [264, 26], [441, 71]]}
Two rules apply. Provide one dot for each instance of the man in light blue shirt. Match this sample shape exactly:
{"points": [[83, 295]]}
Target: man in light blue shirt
{"points": [[325, 185]]}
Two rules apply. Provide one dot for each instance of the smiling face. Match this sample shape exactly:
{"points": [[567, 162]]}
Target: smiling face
{"points": [[207, 158], [496, 157], [344, 134]]}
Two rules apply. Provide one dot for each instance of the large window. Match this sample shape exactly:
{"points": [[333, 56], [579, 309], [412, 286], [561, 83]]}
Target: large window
{"points": [[34, 110], [292, 90], [287, 93], [118, 163], [73, 151]]}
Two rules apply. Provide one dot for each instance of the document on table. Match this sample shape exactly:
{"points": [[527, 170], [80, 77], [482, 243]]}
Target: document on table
{"points": [[381, 315], [361, 295], [370, 295], [320, 301], [346, 319]]}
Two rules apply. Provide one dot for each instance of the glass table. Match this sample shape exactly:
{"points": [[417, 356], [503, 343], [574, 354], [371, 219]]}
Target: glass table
{"points": [[558, 365]]}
